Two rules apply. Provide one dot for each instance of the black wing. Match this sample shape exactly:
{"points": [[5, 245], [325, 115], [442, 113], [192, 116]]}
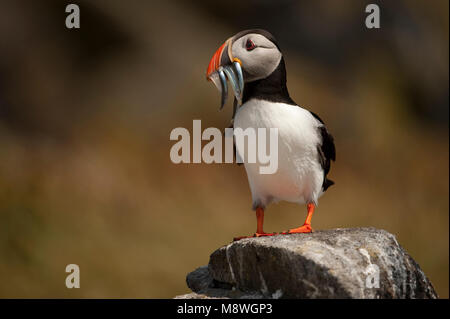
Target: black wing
{"points": [[327, 152]]}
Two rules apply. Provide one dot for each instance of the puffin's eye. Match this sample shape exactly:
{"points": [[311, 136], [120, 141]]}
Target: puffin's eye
{"points": [[249, 45]]}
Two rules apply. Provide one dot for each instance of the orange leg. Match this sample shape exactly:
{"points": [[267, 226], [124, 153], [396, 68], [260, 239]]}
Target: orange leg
{"points": [[260, 222], [306, 228], [259, 226]]}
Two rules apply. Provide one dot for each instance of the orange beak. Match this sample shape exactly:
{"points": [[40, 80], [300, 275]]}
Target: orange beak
{"points": [[215, 60], [223, 67], [218, 59]]}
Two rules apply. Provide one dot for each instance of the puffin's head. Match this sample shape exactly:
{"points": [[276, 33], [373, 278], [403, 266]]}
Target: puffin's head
{"points": [[248, 56]]}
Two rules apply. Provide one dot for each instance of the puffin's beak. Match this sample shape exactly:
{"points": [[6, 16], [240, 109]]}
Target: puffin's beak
{"points": [[222, 67]]}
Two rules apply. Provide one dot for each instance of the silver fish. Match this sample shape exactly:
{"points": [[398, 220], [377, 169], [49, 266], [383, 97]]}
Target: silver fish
{"points": [[234, 81], [224, 90], [233, 73], [240, 76]]}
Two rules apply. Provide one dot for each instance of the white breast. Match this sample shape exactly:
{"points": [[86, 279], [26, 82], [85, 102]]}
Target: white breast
{"points": [[299, 176]]}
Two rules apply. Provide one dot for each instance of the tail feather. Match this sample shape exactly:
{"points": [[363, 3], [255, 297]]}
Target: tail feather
{"points": [[327, 183]]}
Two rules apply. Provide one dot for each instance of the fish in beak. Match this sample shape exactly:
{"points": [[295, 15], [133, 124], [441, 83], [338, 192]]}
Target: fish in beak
{"points": [[223, 67]]}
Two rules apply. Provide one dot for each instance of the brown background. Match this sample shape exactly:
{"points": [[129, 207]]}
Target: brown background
{"points": [[85, 118]]}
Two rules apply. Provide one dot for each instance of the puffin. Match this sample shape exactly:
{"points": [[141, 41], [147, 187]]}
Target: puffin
{"points": [[252, 62]]}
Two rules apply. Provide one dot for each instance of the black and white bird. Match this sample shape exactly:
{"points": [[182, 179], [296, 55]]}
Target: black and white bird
{"points": [[253, 64]]}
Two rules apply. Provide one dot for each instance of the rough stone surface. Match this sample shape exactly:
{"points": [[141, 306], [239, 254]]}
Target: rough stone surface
{"points": [[199, 279], [339, 263]]}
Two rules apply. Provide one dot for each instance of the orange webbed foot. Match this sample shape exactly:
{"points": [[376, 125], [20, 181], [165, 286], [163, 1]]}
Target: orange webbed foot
{"points": [[263, 234], [306, 228]]}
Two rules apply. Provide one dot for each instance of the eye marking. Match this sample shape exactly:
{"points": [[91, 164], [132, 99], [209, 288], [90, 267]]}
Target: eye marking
{"points": [[249, 45]]}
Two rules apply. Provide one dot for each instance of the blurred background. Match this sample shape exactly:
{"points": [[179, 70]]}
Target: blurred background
{"points": [[85, 118]]}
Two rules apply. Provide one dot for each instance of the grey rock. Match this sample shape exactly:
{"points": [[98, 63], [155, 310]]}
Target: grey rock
{"points": [[199, 279], [204, 286], [339, 263]]}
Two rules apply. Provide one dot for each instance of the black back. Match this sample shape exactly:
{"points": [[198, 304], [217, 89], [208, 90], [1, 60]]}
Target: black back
{"points": [[273, 88], [327, 152]]}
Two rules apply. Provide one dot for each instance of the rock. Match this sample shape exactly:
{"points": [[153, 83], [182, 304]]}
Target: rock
{"points": [[199, 279], [339, 263]]}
